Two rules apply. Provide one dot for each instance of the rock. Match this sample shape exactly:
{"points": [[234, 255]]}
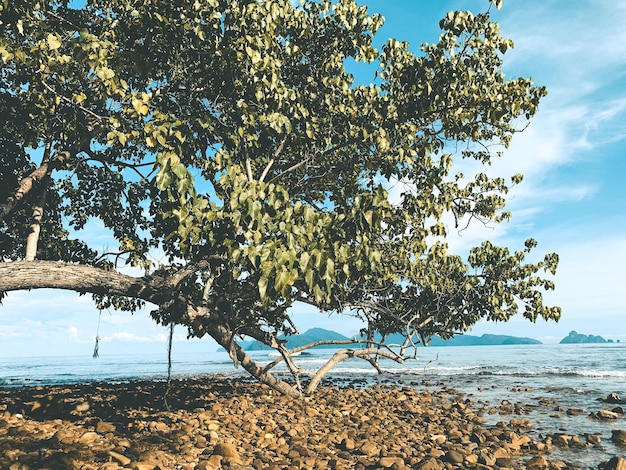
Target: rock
{"points": [[486, 458], [616, 463], [613, 398], [88, 437], [605, 415], [593, 439], [430, 464], [454, 456], [226, 450], [561, 440], [370, 449], [110, 466], [619, 437], [103, 427], [505, 462], [348, 444], [390, 462], [143, 466], [537, 463], [501, 453], [63, 436], [576, 443], [521, 423], [122, 459], [213, 463], [519, 442], [82, 407]]}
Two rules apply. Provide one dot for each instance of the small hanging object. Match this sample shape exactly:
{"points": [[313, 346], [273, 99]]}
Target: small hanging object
{"points": [[96, 347]]}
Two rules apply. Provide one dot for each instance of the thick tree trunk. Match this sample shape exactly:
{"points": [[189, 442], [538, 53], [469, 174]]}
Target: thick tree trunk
{"points": [[27, 183]]}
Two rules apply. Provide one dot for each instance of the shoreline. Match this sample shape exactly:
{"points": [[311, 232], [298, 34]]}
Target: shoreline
{"points": [[227, 422]]}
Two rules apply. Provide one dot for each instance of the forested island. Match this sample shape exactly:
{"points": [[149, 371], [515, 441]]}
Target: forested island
{"points": [[315, 335], [579, 338]]}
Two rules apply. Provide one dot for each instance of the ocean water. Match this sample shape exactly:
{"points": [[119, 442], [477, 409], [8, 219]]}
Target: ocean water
{"points": [[542, 381]]}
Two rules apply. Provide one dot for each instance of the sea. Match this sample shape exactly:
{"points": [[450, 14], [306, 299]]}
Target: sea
{"points": [[559, 387]]}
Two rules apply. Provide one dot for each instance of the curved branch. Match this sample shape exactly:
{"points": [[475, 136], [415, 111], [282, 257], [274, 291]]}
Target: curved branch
{"points": [[304, 347], [344, 354]]}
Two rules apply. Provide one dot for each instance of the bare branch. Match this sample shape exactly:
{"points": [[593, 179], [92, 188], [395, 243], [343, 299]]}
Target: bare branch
{"points": [[266, 170], [249, 170], [344, 354]]}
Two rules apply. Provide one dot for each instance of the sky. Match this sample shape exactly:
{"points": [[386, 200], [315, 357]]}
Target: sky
{"points": [[572, 199]]}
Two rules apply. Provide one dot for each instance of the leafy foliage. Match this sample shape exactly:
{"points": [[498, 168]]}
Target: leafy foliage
{"points": [[229, 135]]}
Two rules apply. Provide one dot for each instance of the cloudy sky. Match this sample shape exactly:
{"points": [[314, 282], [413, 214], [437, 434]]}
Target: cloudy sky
{"points": [[572, 200]]}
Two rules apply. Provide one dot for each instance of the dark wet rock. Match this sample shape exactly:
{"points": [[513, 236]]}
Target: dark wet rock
{"points": [[537, 463], [619, 437], [454, 457], [593, 439], [616, 463], [613, 398], [605, 415]]}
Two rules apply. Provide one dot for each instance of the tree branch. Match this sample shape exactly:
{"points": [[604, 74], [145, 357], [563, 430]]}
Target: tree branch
{"points": [[26, 275], [344, 354]]}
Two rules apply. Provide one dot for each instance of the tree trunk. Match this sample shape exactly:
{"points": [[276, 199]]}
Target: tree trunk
{"points": [[35, 228]]}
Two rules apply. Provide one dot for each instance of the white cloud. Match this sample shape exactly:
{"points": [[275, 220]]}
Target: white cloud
{"points": [[129, 337]]}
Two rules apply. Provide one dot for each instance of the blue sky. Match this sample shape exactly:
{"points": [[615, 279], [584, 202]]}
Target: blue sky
{"points": [[572, 200]]}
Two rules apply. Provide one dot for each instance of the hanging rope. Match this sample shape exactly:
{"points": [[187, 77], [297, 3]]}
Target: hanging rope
{"points": [[169, 367], [96, 348]]}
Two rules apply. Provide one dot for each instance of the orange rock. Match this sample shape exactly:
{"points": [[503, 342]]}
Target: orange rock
{"points": [[120, 458], [226, 450]]}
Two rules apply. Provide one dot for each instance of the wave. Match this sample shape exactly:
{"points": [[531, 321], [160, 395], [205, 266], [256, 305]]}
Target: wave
{"points": [[559, 373]]}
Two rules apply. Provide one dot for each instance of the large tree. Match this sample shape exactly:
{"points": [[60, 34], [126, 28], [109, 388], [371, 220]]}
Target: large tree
{"points": [[228, 136]]}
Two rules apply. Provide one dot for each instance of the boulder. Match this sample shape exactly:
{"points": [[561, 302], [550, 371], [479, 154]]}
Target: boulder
{"points": [[619, 437], [537, 463], [616, 463], [613, 398]]}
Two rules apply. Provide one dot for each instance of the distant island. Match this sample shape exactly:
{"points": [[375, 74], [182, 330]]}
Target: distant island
{"points": [[320, 334], [469, 340], [310, 336], [577, 338]]}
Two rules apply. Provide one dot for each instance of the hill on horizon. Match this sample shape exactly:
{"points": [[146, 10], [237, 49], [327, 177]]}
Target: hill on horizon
{"points": [[320, 334], [469, 340], [309, 336]]}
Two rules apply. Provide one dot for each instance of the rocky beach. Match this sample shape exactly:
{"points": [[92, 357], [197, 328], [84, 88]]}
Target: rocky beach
{"points": [[219, 422]]}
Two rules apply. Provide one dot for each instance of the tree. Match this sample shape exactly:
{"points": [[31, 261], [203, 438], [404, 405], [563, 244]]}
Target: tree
{"points": [[229, 136]]}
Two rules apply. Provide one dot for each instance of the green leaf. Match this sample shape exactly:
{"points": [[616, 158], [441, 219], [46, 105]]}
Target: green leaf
{"points": [[53, 41]]}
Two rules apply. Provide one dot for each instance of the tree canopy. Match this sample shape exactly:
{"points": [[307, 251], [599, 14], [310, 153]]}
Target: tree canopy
{"points": [[229, 137]]}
